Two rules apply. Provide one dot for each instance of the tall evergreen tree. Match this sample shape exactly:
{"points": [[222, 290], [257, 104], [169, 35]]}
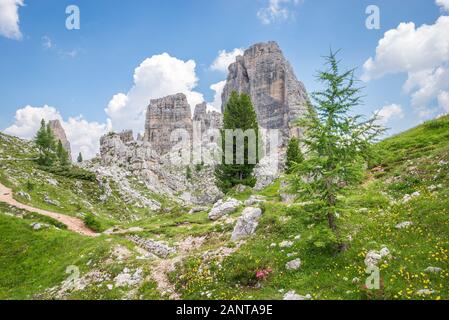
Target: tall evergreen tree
{"points": [[45, 142], [338, 144], [239, 114], [80, 158], [294, 154]]}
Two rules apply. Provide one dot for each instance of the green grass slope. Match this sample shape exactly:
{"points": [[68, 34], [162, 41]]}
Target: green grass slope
{"points": [[407, 182], [415, 162]]}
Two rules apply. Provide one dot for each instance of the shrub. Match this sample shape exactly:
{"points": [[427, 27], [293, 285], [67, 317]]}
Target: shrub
{"points": [[92, 222]]}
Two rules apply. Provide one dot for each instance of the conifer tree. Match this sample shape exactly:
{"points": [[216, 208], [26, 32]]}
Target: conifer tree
{"points": [[62, 154], [338, 143], [80, 158], [294, 154], [45, 142], [239, 114]]}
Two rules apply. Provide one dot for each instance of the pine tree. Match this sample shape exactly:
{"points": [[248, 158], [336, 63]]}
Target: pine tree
{"points": [[239, 114], [45, 142], [62, 154], [338, 144], [80, 158], [294, 154]]}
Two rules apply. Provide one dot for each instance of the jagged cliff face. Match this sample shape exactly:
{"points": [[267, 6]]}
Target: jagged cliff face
{"points": [[278, 97], [59, 134], [164, 116], [207, 119], [119, 151]]}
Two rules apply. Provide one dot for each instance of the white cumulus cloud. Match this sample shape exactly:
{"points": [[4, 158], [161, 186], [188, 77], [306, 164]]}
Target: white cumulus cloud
{"points": [[444, 4], [218, 88], [9, 18], [277, 11], [390, 112], [224, 59], [420, 52], [156, 77], [443, 100], [84, 136]]}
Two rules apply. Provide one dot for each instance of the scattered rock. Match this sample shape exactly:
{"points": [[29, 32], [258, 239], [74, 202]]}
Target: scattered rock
{"points": [[286, 244], [247, 223], [126, 278], [52, 182], [241, 188], [384, 252], [292, 295], [425, 292], [433, 270], [373, 257], [24, 195], [293, 265], [158, 248], [49, 201], [409, 197], [198, 209], [222, 208], [404, 225], [252, 200], [38, 226], [121, 253], [285, 195]]}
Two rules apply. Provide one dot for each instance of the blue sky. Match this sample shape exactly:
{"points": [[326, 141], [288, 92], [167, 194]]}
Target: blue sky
{"points": [[78, 72]]}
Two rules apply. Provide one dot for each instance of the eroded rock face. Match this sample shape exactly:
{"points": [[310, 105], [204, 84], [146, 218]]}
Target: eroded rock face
{"points": [[222, 208], [164, 116], [120, 155], [247, 223], [278, 97], [59, 133], [207, 119]]}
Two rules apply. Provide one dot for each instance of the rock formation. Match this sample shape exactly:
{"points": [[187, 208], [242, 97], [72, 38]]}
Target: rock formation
{"points": [[207, 119], [164, 116], [59, 134], [119, 152], [278, 97]]}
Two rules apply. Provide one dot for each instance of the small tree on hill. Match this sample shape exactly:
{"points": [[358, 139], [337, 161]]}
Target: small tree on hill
{"points": [[239, 117], [294, 154], [62, 154], [45, 142], [80, 158], [337, 142]]}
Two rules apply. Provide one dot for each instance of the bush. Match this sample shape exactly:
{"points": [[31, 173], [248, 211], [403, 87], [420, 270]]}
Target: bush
{"points": [[294, 155], [29, 186], [323, 239], [188, 173], [92, 222], [73, 173], [243, 270]]}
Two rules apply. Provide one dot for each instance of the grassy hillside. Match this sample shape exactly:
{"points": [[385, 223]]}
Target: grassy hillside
{"points": [[413, 162], [408, 182], [77, 193]]}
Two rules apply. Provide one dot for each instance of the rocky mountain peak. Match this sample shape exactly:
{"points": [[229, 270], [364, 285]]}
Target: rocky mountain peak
{"points": [[265, 74], [163, 117], [60, 134]]}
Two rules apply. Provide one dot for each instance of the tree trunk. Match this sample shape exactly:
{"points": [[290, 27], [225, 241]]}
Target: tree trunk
{"points": [[331, 221]]}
